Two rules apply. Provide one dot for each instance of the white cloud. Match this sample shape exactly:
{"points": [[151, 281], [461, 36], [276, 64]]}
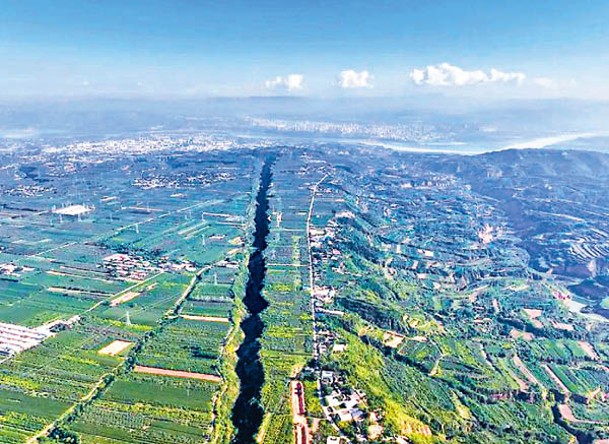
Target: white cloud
{"points": [[291, 82], [352, 79], [500, 76], [446, 74], [545, 82]]}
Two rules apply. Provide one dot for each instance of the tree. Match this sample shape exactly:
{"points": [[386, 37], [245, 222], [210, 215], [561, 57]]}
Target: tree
{"points": [[61, 435]]}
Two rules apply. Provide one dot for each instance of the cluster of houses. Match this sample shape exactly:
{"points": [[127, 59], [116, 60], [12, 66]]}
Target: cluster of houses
{"points": [[129, 268], [28, 190], [61, 324], [180, 180], [327, 342], [343, 404], [134, 268], [14, 270]]}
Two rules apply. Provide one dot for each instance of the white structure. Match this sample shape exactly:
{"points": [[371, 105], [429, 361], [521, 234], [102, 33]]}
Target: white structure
{"points": [[15, 338], [73, 210]]}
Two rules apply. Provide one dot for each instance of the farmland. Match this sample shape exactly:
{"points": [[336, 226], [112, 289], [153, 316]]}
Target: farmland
{"points": [[136, 281], [286, 341], [420, 286], [181, 297]]}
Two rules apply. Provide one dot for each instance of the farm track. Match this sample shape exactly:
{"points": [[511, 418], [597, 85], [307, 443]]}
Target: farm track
{"points": [[33, 371], [97, 388], [125, 366]]}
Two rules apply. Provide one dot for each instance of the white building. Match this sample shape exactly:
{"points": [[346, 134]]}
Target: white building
{"points": [[15, 338]]}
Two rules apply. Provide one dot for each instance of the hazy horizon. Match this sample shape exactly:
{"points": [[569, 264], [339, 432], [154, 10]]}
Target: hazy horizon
{"points": [[472, 49]]}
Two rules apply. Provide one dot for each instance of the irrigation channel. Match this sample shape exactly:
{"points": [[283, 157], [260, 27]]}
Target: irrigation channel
{"points": [[248, 411]]}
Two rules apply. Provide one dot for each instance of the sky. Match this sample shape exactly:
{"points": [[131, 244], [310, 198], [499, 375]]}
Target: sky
{"points": [[187, 48]]}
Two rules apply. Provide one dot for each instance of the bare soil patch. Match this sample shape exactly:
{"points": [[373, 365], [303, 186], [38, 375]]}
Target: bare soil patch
{"points": [[206, 318], [115, 347], [588, 349], [517, 334], [126, 297], [176, 373]]}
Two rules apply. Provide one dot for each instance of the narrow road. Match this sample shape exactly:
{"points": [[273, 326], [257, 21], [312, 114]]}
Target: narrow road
{"points": [[316, 356], [101, 383], [311, 277]]}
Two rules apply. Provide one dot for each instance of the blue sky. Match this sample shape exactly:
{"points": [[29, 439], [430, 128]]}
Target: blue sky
{"points": [[518, 48]]}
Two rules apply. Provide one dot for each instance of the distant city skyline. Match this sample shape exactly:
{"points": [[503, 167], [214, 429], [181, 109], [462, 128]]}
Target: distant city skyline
{"points": [[482, 49]]}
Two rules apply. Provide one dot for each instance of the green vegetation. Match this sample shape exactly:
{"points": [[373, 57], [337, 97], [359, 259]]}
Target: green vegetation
{"points": [[397, 288]]}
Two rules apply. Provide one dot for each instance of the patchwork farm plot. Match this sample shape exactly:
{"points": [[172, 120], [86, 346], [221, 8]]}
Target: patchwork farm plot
{"points": [[389, 301], [141, 408], [287, 337], [421, 281], [134, 277]]}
